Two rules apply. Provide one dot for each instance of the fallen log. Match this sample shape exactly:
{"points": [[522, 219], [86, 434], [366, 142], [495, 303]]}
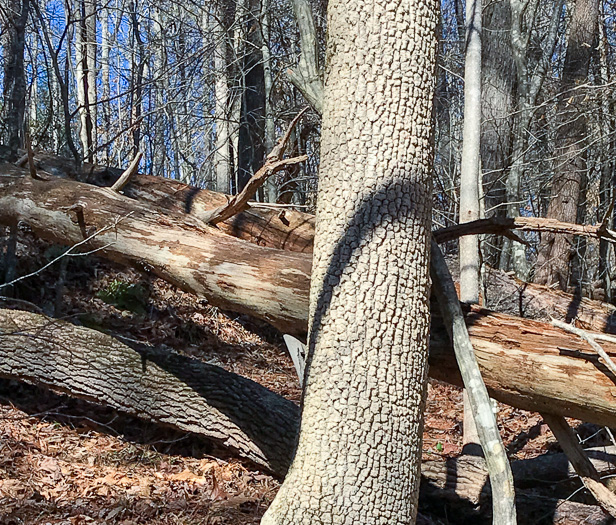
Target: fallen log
{"points": [[280, 229], [466, 477], [542, 302], [532, 365], [160, 386], [524, 363], [233, 274]]}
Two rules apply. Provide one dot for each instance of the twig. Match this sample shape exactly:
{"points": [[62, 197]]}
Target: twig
{"points": [[118, 185], [580, 462], [66, 253], [590, 339], [273, 163], [22, 302]]}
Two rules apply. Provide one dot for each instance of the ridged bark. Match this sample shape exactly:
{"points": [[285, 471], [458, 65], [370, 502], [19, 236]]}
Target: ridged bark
{"points": [[555, 251], [160, 386], [14, 18], [360, 439]]}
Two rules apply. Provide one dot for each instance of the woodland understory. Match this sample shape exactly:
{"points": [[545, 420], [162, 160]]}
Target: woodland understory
{"points": [[158, 188], [163, 337]]}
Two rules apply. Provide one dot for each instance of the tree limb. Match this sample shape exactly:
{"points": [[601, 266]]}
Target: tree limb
{"points": [[582, 465], [274, 162], [500, 225], [503, 492], [118, 185]]}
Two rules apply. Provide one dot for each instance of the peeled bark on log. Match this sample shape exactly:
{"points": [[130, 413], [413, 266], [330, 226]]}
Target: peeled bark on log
{"points": [[233, 274], [532, 365], [164, 387], [283, 230]]}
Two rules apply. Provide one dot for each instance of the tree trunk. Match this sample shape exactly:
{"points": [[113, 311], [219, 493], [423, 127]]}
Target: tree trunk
{"points": [[555, 251], [222, 156], [14, 17], [251, 146], [106, 82], [157, 385], [359, 445], [86, 73], [270, 189], [513, 254], [470, 168], [136, 85], [497, 108]]}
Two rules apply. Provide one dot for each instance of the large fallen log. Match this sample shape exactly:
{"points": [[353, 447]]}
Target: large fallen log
{"points": [[532, 365], [233, 274], [526, 364], [280, 229], [466, 477], [542, 302], [160, 386]]}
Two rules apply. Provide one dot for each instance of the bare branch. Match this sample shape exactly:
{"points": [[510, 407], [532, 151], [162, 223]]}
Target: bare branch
{"points": [[590, 339], [503, 226], [273, 163], [582, 465]]}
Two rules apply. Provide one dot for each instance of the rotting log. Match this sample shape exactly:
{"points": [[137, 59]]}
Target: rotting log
{"points": [[532, 365], [281, 229], [466, 477], [160, 386], [231, 273], [524, 363]]}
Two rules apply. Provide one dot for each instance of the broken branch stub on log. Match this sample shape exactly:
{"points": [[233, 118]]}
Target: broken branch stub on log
{"points": [[238, 203], [274, 163], [294, 231]]}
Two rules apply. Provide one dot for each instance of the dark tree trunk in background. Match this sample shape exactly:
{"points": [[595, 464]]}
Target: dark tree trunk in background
{"points": [[137, 71], [14, 19], [555, 251], [251, 144]]}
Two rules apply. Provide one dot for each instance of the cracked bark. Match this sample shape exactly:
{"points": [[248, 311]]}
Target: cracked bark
{"points": [[360, 439], [157, 385]]}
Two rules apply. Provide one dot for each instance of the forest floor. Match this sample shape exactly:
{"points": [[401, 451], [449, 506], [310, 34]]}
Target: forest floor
{"points": [[65, 461]]}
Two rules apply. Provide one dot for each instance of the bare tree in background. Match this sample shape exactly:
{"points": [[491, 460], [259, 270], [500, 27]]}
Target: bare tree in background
{"points": [[14, 18]]}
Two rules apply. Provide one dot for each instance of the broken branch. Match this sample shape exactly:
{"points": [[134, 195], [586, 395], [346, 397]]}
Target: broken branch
{"points": [[118, 185], [498, 225]]}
